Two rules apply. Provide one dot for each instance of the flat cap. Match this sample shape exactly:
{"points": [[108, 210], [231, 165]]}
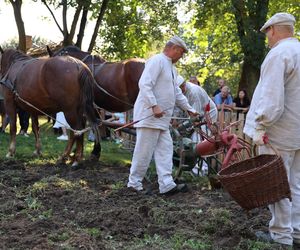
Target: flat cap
{"points": [[280, 18], [180, 80], [179, 42]]}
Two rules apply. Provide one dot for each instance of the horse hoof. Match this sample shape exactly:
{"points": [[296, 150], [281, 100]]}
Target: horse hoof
{"points": [[61, 160], [94, 157], [75, 164], [9, 155], [37, 153]]}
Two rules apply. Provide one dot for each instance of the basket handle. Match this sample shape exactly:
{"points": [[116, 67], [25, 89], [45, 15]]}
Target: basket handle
{"points": [[267, 142]]}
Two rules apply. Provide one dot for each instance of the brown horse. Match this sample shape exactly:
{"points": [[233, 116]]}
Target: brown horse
{"points": [[47, 86], [117, 82]]}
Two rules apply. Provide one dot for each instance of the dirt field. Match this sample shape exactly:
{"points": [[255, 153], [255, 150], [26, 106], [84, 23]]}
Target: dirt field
{"points": [[54, 207]]}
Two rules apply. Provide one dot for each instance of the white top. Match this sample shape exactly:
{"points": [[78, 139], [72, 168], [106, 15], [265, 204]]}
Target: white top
{"points": [[158, 87], [61, 121], [276, 100], [198, 99]]}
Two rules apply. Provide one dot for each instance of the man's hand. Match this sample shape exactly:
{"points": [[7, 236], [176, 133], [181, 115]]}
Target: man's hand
{"points": [[260, 137], [193, 114], [157, 111]]}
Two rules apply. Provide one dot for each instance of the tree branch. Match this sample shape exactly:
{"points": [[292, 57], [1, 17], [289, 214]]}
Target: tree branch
{"points": [[52, 14]]}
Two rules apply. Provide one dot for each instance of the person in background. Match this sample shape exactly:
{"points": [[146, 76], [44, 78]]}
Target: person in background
{"points": [[156, 100], [24, 121], [193, 79], [242, 101], [198, 99], [221, 83], [120, 118], [62, 123], [274, 112], [225, 98]]}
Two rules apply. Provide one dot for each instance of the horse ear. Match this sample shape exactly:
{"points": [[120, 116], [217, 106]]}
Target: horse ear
{"points": [[1, 50], [49, 51]]}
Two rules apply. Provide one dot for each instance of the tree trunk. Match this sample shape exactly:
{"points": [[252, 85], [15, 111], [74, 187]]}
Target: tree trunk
{"points": [[82, 25], [250, 16], [17, 4], [98, 23], [64, 3], [74, 23], [249, 78]]}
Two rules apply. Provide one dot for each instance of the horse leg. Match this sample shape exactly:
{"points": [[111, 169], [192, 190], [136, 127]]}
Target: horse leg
{"points": [[95, 154], [79, 150], [36, 131], [11, 111], [66, 154]]}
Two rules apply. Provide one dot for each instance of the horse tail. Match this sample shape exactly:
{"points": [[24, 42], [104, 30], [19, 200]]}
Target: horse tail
{"points": [[87, 100]]}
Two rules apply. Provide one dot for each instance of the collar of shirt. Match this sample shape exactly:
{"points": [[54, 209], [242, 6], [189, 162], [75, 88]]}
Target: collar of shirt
{"points": [[294, 39]]}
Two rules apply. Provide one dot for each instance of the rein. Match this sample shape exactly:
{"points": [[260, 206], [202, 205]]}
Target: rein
{"points": [[76, 132]]}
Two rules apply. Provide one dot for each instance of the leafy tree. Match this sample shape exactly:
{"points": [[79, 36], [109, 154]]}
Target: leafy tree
{"points": [[228, 38], [132, 28]]}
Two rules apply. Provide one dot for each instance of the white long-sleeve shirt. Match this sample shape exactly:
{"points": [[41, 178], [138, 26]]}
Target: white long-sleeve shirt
{"points": [[276, 100], [198, 99], [158, 87]]}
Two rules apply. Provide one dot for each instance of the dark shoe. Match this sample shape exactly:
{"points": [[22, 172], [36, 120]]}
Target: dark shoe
{"points": [[262, 236], [266, 237], [179, 188], [296, 246]]}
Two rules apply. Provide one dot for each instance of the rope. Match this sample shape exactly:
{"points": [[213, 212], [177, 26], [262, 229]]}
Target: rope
{"points": [[76, 132]]}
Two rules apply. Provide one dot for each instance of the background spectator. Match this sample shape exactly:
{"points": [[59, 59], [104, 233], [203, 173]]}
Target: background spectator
{"points": [[193, 79], [63, 124], [221, 83], [24, 121], [225, 98]]}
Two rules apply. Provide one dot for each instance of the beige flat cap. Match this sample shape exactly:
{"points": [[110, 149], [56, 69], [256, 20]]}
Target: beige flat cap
{"points": [[279, 19], [179, 42]]}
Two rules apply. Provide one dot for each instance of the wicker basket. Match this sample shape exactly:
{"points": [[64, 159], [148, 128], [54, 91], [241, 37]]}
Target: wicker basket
{"points": [[257, 181]]}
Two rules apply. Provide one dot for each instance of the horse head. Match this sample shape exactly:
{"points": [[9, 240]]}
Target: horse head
{"points": [[9, 57]]}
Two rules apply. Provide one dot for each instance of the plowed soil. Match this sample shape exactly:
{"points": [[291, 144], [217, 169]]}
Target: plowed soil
{"points": [[56, 207]]}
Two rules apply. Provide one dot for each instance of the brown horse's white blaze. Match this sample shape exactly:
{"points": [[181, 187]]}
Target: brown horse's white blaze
{"points": [[49, 85]]}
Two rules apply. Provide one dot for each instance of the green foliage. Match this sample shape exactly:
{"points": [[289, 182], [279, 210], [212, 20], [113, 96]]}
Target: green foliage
{"points": [[132, 28]]}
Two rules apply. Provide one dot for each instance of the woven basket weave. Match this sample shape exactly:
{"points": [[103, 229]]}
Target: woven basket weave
{"points": [[257, 181]]}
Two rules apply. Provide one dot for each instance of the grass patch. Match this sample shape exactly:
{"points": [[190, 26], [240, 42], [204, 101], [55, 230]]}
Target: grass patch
{"points": [[52, 148], [176, 242]]}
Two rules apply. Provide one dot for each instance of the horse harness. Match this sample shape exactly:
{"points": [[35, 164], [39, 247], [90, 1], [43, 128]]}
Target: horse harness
{"points": [[11, 83], [95, 71]]}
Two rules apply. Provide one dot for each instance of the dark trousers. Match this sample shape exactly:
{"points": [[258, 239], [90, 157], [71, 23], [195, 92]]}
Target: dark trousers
{"points": [[24, 119]]}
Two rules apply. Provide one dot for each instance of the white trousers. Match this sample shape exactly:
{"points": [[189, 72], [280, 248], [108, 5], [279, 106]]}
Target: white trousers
{"points": [[284, 226], [148, 142]]}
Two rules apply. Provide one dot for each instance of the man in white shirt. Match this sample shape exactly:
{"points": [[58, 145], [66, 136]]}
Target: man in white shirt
{"points": [[274, 112], [156, 100], [198, 99]]}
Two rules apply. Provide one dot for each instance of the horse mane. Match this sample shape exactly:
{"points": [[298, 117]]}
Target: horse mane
{"points": [[12, 56], [17, 55]]}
